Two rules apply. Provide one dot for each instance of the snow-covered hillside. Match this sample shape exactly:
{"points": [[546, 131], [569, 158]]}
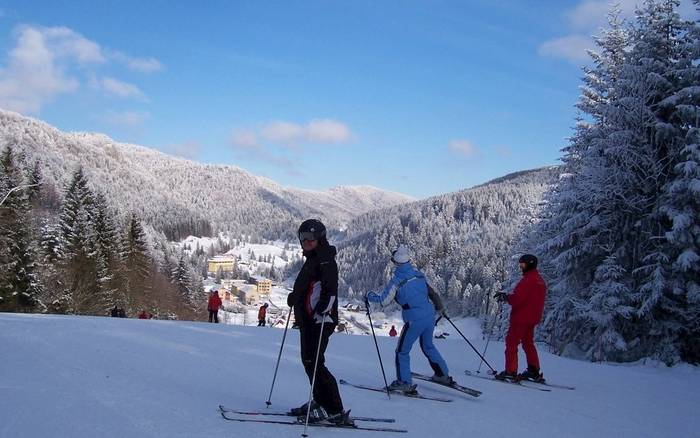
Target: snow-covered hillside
{"points": [[65, 376], [172, 193]]}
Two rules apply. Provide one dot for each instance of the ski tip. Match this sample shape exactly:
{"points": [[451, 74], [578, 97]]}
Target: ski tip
{"points": [[342, 381]]}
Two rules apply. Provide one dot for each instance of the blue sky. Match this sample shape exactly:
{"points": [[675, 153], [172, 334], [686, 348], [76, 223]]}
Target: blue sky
{"points": [[419, 97]]}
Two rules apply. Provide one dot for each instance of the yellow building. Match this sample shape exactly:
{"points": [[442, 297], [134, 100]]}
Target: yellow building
{"points": [[264, 285], [225, 263], [248, 294]]}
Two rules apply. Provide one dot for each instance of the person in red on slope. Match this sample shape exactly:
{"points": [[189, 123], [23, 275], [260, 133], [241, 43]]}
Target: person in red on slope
{"points": [[213, 306], [527, 307], [393, 332], [142, 315], [262, 313]]}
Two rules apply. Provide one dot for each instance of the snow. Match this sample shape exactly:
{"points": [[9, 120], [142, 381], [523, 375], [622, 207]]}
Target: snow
{"points": [[67, 376]]}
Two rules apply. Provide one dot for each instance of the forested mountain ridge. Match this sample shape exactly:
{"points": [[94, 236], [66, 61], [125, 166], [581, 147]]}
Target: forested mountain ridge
{"points": [[178, 196], [463, 240]]}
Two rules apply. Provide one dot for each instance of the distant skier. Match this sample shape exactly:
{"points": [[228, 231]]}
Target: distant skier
{"points": [[409, 288], [315, 299], [213, 306], [262, 313], [143, 315], [115, 312], [393, 332], [527, 306]]}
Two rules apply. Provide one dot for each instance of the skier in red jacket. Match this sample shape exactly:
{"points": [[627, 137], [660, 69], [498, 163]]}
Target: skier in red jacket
{"points": [[393, 331], [213, 306], [262, 314], [527, 306]]}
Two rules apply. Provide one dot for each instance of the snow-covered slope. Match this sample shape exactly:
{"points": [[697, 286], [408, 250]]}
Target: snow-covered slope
{"points": [[172, 193], [76, 377]]}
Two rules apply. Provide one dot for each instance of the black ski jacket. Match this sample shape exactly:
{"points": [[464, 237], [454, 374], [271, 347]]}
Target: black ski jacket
{"points": [[316, 287]]}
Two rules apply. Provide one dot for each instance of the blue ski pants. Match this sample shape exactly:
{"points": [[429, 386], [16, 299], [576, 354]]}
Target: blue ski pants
{"points": [[421, 330]]}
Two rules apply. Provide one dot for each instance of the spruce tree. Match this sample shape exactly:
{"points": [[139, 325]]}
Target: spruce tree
{"points": [[19, 285], [137, 263], [82, 263]]}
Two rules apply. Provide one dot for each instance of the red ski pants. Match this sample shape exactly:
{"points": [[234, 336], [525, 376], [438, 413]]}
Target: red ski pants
{"points": [[521, 334]]}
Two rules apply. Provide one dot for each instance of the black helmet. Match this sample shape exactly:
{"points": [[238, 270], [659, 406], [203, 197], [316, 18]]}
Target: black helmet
{"points": [[530, 260], [311, 229]]}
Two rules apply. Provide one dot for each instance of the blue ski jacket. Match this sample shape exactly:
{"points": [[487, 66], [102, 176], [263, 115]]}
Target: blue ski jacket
{"points": [[409, 288]]}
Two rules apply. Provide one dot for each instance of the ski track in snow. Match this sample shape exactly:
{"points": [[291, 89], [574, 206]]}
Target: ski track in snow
{"points": [[65, 376]]}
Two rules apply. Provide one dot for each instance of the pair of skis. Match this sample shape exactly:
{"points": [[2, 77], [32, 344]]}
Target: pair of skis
{"points": [[530, 384], [234, 415], [463, 389]]}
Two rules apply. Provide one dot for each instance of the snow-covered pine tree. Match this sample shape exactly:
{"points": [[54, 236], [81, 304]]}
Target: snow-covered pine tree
{"points": [[34, 181], [108, 244], [681, 200], [568, 237], [19, 285], [606, 230], [137, 261], [81, 264], [603, 315], [182, 278], [645, 122]]}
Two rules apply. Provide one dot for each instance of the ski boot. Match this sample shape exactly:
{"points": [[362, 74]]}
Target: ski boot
{"points": [[505, 376], [443, 380], [532, 374], [341, 419], [404, 387], [316, 415], [301, 410]]}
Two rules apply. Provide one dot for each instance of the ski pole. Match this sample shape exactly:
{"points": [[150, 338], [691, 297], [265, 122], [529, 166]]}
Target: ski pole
{"points": [[279, 356], [313, 378], [376, 345], [470, 344], [488, 338]]}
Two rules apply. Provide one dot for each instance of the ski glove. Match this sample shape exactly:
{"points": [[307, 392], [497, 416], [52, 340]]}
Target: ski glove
{"points": [[501, 297], [292, 299]]}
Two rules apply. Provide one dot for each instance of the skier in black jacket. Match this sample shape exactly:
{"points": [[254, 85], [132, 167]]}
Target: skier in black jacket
{"points": [[315, 299]]}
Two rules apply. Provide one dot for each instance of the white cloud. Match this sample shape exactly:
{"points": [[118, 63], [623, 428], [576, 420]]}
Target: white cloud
{"points": [[281, 143], [318, 131], [573, 48], [327, 131], [282, 132], [244, 139], [34, 75], [142, 65], [587, 18], [462, 148], [70, 44], [46, 62], [118, 88], [591, 15], [127, 119]]}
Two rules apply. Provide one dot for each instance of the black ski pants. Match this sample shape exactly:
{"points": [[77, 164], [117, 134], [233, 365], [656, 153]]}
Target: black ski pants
{"points": [[325, 390], [214, 315]]}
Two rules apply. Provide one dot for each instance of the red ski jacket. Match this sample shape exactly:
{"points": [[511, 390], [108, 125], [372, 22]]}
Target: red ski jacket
{"points": [[262, 312], [214, 302], [527, 300]]}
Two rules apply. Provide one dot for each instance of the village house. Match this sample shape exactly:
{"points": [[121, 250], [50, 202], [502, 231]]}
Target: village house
{"points": [[224, 262]]}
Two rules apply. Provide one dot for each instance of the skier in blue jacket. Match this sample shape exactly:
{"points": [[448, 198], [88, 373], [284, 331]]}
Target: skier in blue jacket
{"points": [[409, 288]]}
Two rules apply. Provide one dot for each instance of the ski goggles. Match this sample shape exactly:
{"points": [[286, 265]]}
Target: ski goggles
{"points": [[306, 235]]}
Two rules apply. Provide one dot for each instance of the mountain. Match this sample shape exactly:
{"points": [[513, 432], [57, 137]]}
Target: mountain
{"points": [[178, 196], [463, 241]]}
